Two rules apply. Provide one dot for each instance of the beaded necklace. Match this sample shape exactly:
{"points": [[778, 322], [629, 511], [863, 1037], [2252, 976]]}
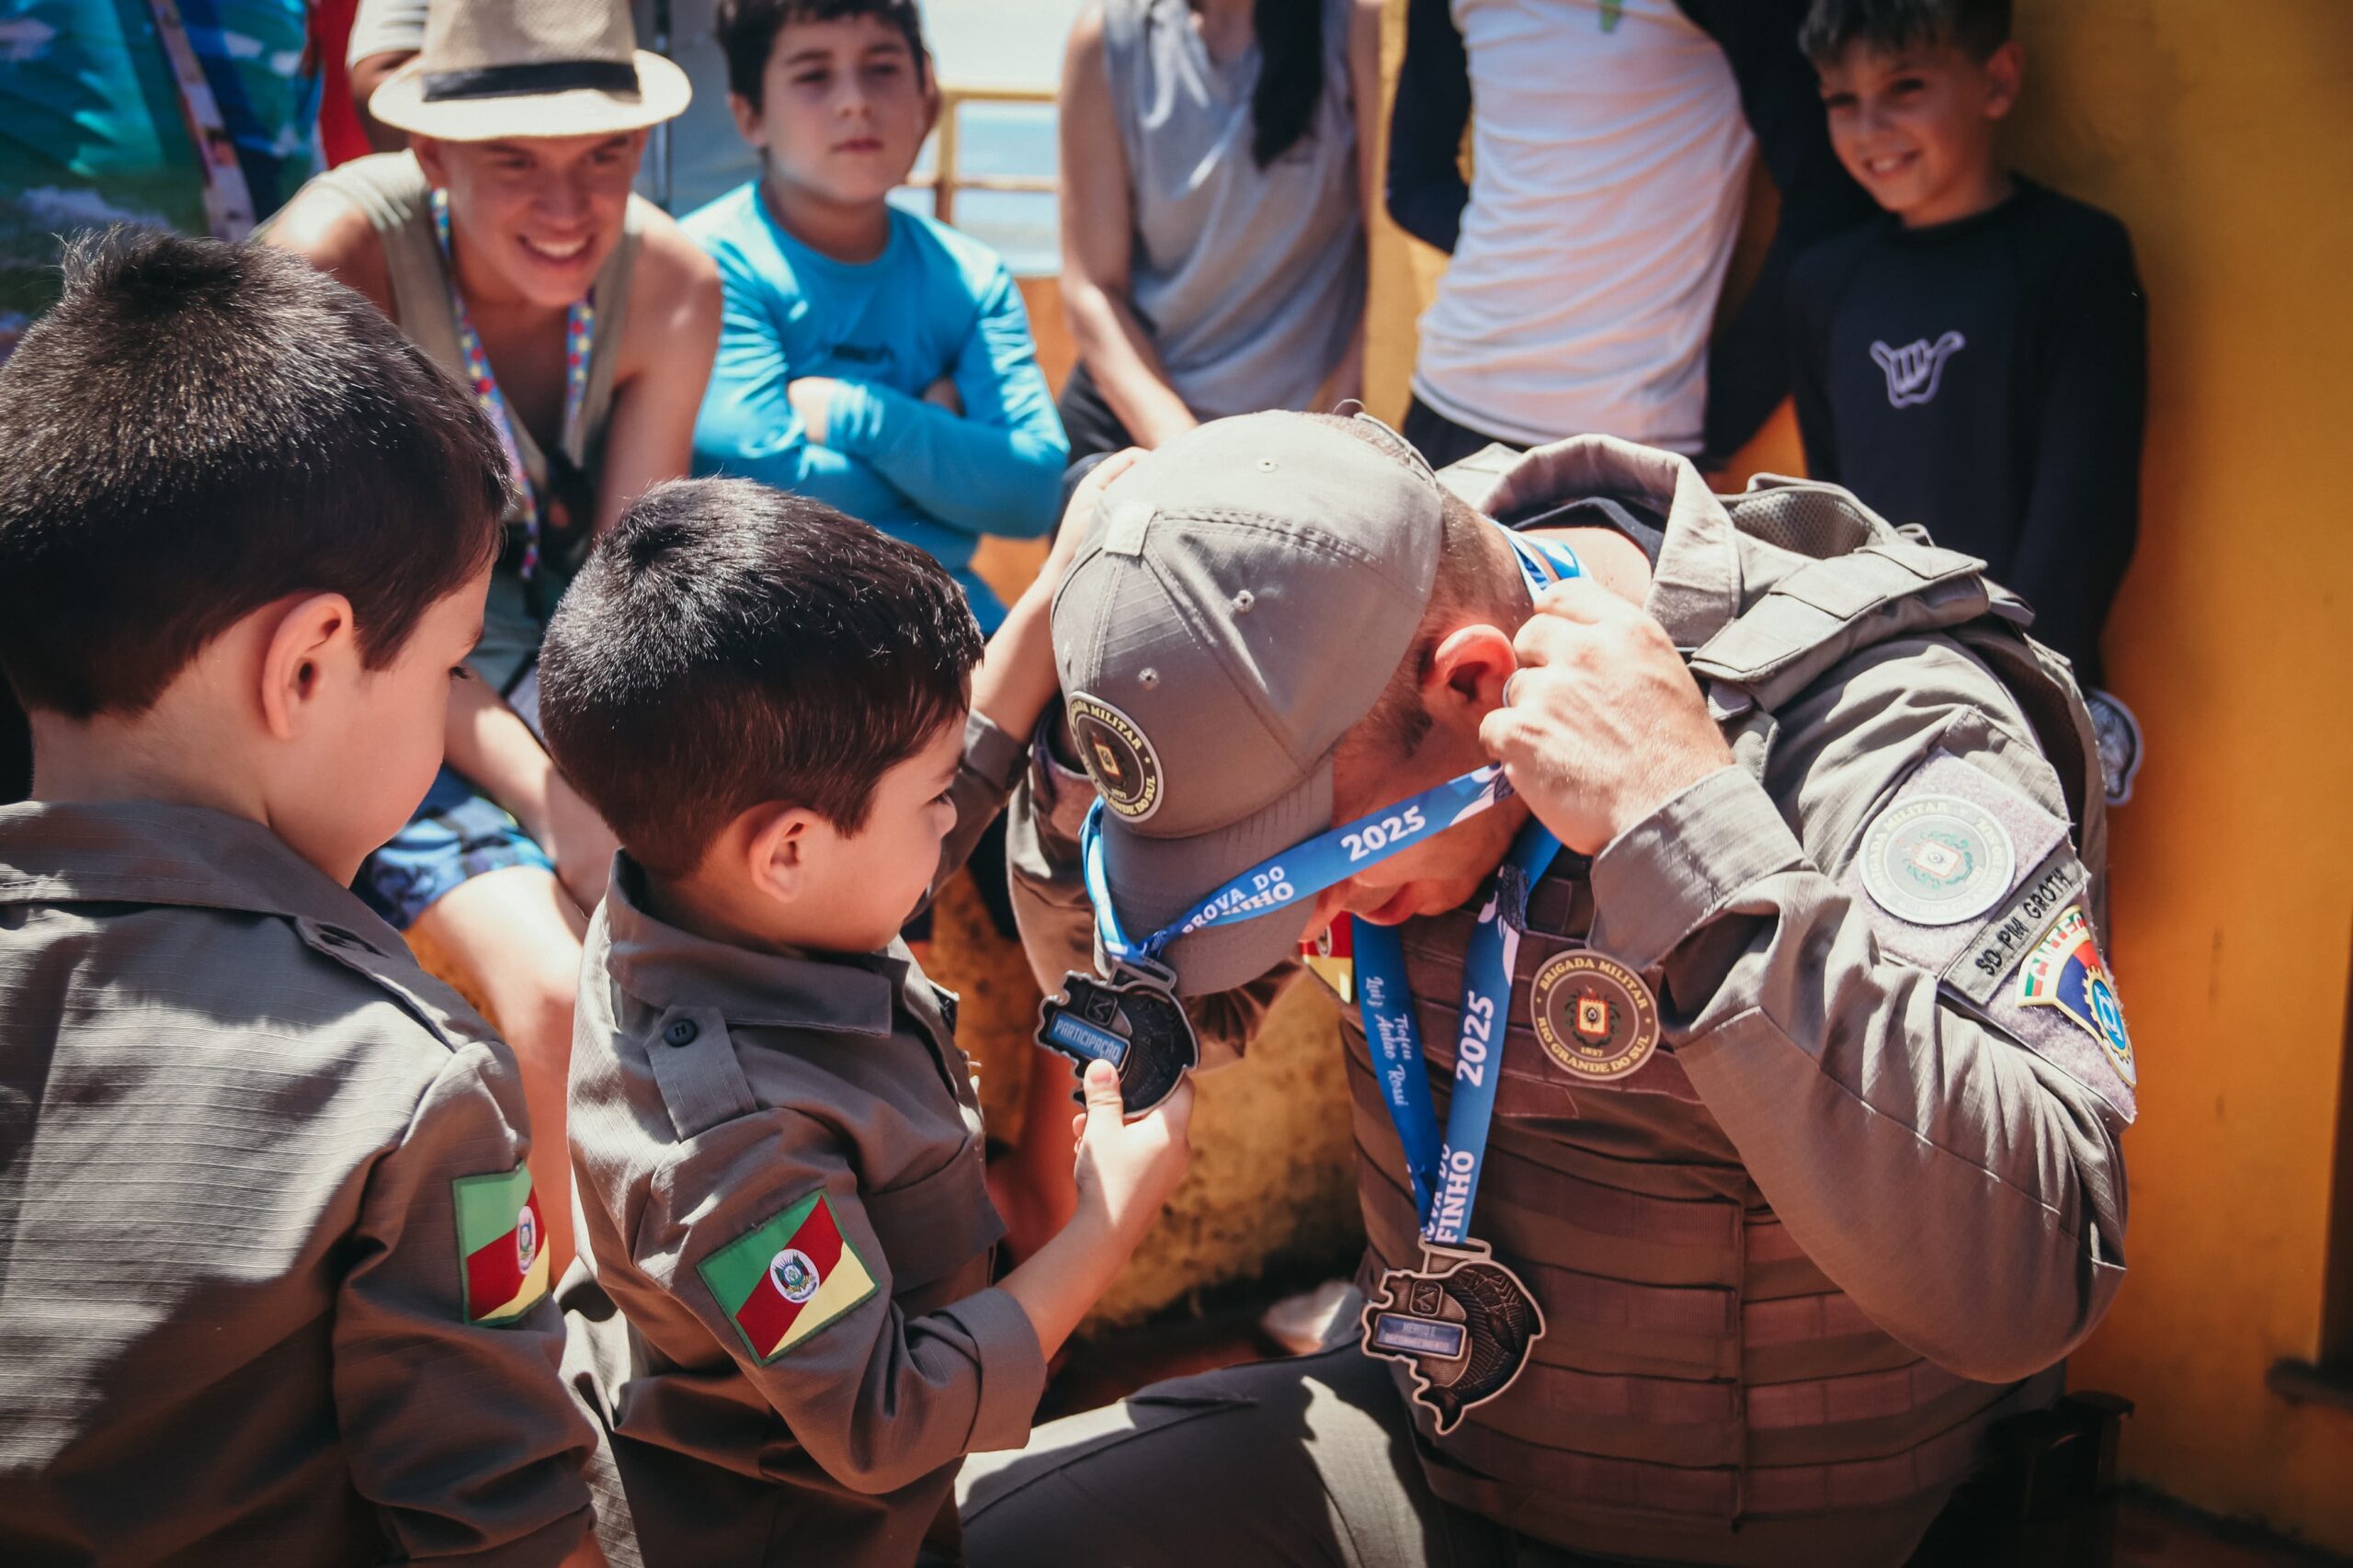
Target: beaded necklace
{"points": [[579, 340]]}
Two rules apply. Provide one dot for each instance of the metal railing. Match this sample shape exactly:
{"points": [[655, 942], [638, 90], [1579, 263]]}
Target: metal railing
{"points": [[945, 180]]}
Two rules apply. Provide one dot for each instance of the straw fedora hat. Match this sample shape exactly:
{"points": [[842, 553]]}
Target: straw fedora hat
{"points": [[500, 68]]}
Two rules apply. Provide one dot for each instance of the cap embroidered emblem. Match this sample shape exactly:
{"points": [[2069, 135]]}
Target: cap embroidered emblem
{"points": [[1937, 860], [1118, 757]]}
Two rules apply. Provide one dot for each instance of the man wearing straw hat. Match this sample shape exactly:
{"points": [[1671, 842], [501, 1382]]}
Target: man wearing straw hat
{"points": [[507, 243]]}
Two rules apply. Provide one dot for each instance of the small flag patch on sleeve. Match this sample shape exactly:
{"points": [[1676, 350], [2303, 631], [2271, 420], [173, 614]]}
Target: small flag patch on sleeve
{"points": [[501, 1245], [788, 1278]]}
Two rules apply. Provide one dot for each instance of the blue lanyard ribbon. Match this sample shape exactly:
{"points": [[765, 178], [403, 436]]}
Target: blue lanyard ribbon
{"points": [[1445, 1173], [1299, 873]]}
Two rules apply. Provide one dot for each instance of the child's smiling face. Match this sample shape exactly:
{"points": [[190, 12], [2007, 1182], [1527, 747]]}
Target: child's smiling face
{"points": [[1915, 126], [845, 105]]}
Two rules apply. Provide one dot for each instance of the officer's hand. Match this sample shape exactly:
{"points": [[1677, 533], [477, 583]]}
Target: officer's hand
{"points": [[1602, 724], [1130, 1167]]}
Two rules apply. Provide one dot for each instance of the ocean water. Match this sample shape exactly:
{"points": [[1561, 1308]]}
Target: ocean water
{"points": [[1002, 44], [1002, 138]]}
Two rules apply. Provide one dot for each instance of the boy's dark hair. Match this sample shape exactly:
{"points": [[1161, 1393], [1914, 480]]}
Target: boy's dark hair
{"points": [[747, 28], [728, 645], [1977, 28], [196, 430]]}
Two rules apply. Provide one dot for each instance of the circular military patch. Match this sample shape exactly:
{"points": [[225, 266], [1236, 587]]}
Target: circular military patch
{"points": [[1593, 1015], [794, 1275], [1118, 758], [527, 1239], [1937, 860]]}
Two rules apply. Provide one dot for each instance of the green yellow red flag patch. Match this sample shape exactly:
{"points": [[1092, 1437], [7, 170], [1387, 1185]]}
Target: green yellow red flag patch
{"points": [[501, 1245], [788, 1278]]}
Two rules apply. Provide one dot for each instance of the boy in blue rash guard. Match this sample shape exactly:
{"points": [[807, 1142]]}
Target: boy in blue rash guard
{"points": [[873, 359]]}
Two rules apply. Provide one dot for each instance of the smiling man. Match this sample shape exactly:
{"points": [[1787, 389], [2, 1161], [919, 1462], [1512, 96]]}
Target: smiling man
{"points": [[1738, 1131], [505, 244]]}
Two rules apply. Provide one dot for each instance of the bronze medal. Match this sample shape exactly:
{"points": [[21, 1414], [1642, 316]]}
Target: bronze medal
{"points": [[1462, 1323], [1593, 1015], [1133, 1021]]}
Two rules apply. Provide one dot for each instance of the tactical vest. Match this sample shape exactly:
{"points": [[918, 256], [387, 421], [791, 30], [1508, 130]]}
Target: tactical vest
{"points": [[1704, 1392]]}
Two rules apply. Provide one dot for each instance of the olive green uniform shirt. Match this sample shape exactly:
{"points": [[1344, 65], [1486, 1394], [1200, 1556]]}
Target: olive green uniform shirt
{"points": [[779, 1165], [234, 1122]]}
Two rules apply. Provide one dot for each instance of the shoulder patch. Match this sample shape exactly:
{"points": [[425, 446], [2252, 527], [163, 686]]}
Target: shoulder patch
{"points": [[2066, 972], [787, 1279], [1937, 859], [501, 1245], [1945, 852], [2021, 952]]}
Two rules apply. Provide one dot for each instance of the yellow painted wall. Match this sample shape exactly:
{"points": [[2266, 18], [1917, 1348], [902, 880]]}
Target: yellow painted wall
{"points": [[2223, 135]]}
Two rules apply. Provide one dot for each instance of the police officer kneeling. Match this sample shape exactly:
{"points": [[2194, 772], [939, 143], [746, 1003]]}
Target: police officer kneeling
{"points": [[1738, 1129]]}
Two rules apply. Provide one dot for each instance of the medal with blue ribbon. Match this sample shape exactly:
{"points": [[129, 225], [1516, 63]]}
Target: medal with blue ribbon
{"points": [[1462, 1323]]}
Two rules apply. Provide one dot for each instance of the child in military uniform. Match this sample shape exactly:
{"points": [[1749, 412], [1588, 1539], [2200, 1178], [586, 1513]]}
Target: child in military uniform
{"points": [[277, 1275], [777, 1141]]}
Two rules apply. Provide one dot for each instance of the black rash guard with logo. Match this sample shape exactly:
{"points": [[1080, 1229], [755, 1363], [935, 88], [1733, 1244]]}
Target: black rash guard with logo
{"points": [[1986, 379]]}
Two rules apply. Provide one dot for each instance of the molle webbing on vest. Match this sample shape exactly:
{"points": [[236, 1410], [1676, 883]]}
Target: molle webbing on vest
{"points": [[1697, 1367], [1870, 584]]}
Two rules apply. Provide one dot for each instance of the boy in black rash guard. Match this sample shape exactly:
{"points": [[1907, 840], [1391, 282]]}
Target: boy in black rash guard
{"points": [[1976, 360]]}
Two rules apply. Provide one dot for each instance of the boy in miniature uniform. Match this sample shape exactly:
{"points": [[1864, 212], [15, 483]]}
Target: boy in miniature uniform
{"points": [[776, 1140], [1975, 360], [276, 1273], [507, 244]]}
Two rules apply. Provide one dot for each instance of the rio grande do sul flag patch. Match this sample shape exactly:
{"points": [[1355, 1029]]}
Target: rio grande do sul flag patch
{"points": [[788, 1279], [501, 1245]]}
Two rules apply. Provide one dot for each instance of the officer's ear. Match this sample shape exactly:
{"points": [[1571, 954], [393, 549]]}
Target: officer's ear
{"points": [[1467, 671]]}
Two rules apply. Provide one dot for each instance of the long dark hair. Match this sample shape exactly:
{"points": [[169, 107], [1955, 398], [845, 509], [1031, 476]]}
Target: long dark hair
{"points": [[1290, 74]]}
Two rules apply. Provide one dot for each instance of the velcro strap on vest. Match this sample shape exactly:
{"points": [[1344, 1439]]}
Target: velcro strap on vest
{"points": [[2047, 694], [1826, 611]]}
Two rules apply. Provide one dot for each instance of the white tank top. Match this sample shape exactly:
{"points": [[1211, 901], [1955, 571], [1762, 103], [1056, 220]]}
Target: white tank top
{"points": [[1610, 174]]}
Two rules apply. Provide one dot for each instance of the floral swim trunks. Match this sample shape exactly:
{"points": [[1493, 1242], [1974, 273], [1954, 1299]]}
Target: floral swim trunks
{"points": [[457, 833]]}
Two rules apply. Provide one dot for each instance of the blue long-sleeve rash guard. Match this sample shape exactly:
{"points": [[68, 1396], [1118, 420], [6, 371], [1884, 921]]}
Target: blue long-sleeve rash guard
{"points": [[935, 302]]}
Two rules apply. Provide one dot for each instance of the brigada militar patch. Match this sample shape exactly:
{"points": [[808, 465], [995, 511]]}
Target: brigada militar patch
{"points": [[788, 1279], [1118, 754], [501, 1245], [1593, 1015], [1937, 859]]}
